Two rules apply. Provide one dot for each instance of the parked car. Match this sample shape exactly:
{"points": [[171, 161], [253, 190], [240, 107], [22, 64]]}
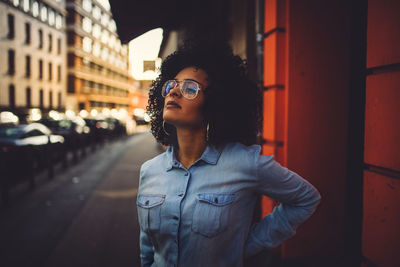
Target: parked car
{"points": [[24, 150], [98, 130], [75, 132], [116, 128]]}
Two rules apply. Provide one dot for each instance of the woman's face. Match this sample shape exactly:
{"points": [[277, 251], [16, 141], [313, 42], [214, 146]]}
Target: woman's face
{"points": [[183, 112]]}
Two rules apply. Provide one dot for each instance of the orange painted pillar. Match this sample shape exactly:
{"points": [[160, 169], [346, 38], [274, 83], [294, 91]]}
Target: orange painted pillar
{"points": [[306, 93], [274, 96]]}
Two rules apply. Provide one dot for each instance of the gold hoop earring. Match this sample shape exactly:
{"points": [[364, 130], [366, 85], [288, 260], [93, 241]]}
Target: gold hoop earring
{"points": [[208, 132], [163, 126]]}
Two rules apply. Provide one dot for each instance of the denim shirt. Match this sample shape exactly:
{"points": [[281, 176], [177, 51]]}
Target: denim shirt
{"points": [[201, 216]]}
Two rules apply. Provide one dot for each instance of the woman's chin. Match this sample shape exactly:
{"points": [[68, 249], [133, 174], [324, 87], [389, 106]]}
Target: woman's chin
{"points": [[170, 120]]}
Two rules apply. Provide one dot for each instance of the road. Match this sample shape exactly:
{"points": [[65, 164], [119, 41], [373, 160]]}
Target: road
{"points": [[85, 216]]}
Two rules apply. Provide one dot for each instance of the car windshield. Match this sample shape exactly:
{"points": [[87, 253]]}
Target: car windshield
{"points": [[65, 124], [13, 132]]}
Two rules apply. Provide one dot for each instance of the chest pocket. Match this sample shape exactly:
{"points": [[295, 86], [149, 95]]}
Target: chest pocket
{"points": [[149, 211], [211, 213]]}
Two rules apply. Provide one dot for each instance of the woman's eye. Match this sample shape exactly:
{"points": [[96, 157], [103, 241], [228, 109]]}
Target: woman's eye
{"points": [[191, 90]]}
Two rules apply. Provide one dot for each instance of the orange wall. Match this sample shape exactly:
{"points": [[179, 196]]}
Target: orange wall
{"points": [[306, 72], [381, 221], [307, 66]]}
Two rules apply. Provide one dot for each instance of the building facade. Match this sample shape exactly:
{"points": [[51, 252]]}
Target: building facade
{"points": [[98, 76], [33, 52]]}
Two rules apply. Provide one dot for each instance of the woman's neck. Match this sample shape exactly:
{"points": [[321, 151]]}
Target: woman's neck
{"points": [[192, 144]]}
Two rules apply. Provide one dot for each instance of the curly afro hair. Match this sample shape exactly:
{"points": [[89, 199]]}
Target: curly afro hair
{"points": [[232, 104]]}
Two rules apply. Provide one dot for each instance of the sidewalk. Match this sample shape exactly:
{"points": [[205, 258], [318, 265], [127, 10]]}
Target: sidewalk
{"points": [[106, 231]]}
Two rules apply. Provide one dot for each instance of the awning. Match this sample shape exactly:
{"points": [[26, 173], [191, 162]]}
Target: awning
{"points": [[135, 17]]}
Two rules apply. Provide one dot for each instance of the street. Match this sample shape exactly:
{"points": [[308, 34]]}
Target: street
{"points": [[85, 216]]}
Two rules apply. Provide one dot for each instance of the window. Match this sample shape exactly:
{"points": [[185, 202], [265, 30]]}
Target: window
{"points": [[71, 60], [105, 4], [96, 31], [11, 61], [27, 33], [96, 49], [111, 26], [87, 24], [28, 97], [71, 38], [28, 66], [104, 36], [35, 9], [112, 41], [59, 99], [51, 17], [26, 5], [111, 58], [96, 12], [50, 42], [104, 19], [40, 39], [71, 84], [43, 13], [16, 2], [11, 96], [118, 46], [87, 5], [41, 99], [59, 73], [104, 53], [87, 44], [11, 32], [40, 69], [59, 46], [58, 21], [50, 71], [51, 99]]}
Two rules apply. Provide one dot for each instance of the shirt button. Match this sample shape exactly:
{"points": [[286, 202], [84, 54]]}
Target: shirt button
{"points": [[180, 195], [146, 203], [176, 218]]}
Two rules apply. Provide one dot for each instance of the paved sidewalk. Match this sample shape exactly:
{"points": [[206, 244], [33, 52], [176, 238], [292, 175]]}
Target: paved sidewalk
{"points": [[106, 231]]}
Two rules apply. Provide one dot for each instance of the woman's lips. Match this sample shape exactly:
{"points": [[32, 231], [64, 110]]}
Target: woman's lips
{"points": [[172, 104]]}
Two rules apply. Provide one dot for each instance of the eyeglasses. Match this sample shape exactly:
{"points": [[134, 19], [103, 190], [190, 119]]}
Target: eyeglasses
{"points": [[189, 88]]}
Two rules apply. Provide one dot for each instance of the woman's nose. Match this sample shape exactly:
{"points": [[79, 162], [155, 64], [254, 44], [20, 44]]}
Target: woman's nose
{"points": [[175, 91]]}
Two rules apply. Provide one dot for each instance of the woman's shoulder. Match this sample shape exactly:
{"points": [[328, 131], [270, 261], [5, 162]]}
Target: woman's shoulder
{"points": [[240, 154], [157, 161], [236, 147]]}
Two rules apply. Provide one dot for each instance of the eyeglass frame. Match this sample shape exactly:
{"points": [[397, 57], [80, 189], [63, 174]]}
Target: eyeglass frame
{"points": [[200, 87]]}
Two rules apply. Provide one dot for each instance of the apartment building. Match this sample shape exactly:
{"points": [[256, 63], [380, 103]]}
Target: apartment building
{"points": [[33, 55], [98, 75]]}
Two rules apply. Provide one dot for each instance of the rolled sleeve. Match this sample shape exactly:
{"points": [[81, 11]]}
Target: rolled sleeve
{"points": [[298, 201]]}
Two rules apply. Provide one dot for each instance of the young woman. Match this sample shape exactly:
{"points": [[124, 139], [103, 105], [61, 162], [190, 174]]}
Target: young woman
{"points": [[196, 200]]}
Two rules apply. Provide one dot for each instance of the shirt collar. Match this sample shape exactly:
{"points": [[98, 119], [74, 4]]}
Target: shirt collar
{"points": [[210, 155]]}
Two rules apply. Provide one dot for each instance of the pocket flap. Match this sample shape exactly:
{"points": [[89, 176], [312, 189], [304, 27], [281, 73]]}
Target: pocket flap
{"points": [[217, 199], [150, 200]]}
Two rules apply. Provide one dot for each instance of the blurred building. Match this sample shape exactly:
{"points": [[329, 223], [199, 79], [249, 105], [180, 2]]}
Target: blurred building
{"points": [[33, 52], [98, 76]]}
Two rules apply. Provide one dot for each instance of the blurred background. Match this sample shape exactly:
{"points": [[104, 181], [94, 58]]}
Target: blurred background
{"points": [[74, 130]]}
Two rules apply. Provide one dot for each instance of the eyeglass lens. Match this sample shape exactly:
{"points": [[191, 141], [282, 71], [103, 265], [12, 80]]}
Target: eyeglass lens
{"points": [[188, 89]]}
